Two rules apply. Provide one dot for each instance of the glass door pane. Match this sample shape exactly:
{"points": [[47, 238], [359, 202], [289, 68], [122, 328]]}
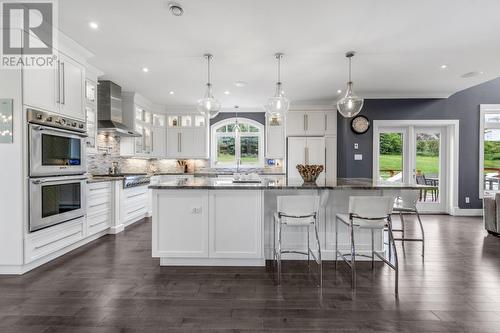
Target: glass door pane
{"points": [[491, 169], [391, 159], [427, 162]]}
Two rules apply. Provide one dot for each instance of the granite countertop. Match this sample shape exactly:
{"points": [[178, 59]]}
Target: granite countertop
{"points": [[214, 173], [100, 179], [281, 183]]}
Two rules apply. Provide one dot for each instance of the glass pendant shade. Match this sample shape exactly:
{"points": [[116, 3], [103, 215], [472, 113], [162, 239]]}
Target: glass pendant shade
{"points": [[278, 104], [349, 105], [208, 105]]}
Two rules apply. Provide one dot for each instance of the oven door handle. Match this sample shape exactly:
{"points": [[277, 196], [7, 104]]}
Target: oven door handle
{"points": [[59, 179], [43, 128]]}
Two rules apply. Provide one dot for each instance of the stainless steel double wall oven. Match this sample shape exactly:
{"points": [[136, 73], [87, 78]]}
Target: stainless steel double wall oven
{"points": [[57, 167]]}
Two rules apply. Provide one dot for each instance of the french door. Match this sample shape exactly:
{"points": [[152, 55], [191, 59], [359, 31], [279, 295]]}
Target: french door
{"points": [[413, 154]]}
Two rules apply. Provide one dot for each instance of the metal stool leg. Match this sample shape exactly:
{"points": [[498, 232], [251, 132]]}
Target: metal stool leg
{"points": [[396, 265], [336, 241], [308, 249], [421, 230], [373, 250], [320, 261], [279, 254], [402, 228], [353, 258]]}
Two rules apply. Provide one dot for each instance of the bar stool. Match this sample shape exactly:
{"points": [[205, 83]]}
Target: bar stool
{"points": [[367, 212], [406, 203], [297, 211]]}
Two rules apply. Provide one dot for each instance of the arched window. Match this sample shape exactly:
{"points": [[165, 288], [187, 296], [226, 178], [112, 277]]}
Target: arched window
{"points": [[244, 148]]}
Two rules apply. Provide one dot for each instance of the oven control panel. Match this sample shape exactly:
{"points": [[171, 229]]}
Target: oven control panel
{"points": [[55, 120]]}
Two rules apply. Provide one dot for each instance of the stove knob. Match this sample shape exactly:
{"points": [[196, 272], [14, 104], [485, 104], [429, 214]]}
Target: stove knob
{"points": [[80, 126], [58, 121], [62, 121], [48, 119], [39, 116], [73, 124]]}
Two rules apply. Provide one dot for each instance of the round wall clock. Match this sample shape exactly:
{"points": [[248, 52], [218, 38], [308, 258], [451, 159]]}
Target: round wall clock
{"points": [[360, 124]]}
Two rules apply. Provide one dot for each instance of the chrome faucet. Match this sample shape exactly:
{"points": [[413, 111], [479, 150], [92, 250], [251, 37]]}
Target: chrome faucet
{"points": [[113, 170]]}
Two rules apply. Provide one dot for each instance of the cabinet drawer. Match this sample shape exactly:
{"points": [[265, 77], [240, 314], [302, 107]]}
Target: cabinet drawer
{"points": [[99, 209], [47, 241], [98, 222], [99, 200], [135, 212]]}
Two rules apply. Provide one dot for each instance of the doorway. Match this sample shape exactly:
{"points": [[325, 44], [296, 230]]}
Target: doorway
{"points": [[418, 153]]}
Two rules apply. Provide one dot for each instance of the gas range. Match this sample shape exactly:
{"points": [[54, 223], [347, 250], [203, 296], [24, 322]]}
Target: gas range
{"points": [[130, 179]]}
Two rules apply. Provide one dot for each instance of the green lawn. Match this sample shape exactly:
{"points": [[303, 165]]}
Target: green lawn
{"points": [[427, 165]]}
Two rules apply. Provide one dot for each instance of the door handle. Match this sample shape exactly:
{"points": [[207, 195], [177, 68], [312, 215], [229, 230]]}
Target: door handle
{"points": [[326, 122], [63, 67], [304, 122], [58, 82]]}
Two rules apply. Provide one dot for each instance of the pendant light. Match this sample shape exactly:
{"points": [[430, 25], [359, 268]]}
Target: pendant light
{"points": [[349, 105], [208, 105], [237, 127], [279, 104]]}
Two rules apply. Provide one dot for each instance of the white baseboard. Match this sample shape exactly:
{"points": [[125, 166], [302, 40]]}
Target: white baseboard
{"points": [[116, 229], [211, 262], [466, 212], [21, 269]]}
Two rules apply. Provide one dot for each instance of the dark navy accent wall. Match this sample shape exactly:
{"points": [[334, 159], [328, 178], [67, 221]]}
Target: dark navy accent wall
{"points": [[256, 116], [463, 106]]}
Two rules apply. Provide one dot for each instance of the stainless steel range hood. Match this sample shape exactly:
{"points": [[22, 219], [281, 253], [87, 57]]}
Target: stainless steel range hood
{"points": [[109, 110]]}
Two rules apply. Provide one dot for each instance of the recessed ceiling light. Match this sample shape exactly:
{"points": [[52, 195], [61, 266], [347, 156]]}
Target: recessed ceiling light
{"points": [[94, 25], [171, 92], [145, 69], [443, 66], [471, 74], [175, 9], [339, 91], [226, 92], [240, 84]]}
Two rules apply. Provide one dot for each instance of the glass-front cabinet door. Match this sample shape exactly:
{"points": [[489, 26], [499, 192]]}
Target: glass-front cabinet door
{"points": [[91, 115]]}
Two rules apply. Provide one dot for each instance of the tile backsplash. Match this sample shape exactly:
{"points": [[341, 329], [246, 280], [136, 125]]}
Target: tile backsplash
{"points": [[108, 151]]}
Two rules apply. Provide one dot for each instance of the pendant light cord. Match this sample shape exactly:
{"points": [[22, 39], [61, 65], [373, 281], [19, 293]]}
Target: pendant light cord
{"points": [[209, 57], [279, 68], [350, 59]]}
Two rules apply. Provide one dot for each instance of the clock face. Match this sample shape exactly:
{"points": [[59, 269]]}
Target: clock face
{"points": [[360, 124]]}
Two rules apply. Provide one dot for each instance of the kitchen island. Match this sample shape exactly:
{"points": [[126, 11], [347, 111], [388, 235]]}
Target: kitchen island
{"points": [[214, 221]]}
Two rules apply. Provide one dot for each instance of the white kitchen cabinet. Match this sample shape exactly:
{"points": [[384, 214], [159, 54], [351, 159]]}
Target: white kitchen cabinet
{"points": [[187, 136], [315, 123], [59, 89], [47, 241], [182, 231], [72, 87], [275, 138], [91, 114], [134, 204], [99, 207], [208, 227], [40, 88], [311, 123], [331, 158], [235, 224], [331, 122], [159, 142], [305, 150]]}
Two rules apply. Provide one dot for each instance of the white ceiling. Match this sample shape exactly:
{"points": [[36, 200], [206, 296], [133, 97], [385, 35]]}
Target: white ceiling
{"points": [[400, 45]]}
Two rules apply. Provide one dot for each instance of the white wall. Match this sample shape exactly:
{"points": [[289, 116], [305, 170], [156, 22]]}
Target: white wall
{"points": [[11, 176]]}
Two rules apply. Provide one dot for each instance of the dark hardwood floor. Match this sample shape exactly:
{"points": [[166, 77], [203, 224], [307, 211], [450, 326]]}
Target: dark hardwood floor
{"points": [[113, 285]]}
